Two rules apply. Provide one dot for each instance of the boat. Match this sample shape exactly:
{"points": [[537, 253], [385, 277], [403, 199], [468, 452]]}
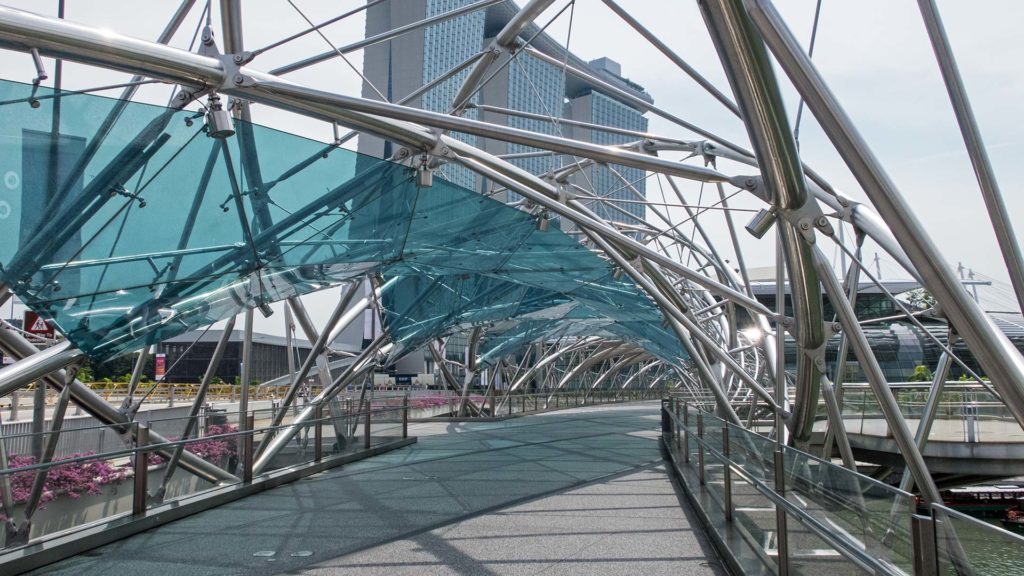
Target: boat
{"points": [[983, 500]]}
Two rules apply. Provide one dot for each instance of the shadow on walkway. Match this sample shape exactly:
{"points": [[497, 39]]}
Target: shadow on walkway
{"points": [[578, 491]]}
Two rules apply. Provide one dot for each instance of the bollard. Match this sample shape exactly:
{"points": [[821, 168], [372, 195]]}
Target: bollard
{"points": [[727, 473], [247, 448], [366, 428], [700, 446], [405, 416], [780, 515], [141, 470], [318, 433]]}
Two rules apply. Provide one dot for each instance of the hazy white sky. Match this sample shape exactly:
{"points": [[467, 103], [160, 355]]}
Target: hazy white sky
{"points": [[875, 54]]}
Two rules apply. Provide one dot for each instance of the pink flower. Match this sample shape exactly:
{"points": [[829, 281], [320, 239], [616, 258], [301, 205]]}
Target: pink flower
{"points": [[73, 479]]}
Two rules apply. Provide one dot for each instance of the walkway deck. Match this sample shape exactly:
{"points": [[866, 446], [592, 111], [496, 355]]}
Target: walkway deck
{"points": [[580, 491]]}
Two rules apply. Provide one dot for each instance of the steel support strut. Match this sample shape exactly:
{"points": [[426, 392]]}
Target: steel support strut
{"points": [[16, 346], [996, 354], [873, 371], [757, 93], [197, 405], [1001, 223]]}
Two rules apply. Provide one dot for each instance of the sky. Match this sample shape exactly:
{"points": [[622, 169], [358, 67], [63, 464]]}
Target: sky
{"points": [[874, 53]]}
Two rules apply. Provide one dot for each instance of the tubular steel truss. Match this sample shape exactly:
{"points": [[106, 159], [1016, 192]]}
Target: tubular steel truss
{"points": [[696, 293]]}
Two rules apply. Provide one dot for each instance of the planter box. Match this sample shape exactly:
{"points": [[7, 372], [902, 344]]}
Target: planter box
{"points": [[64, 512]]}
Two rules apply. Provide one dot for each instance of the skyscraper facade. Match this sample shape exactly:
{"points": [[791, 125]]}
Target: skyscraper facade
{"points": [[524, 84]]}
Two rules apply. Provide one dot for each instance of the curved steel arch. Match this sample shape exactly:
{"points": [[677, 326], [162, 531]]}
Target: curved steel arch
{"points": [[701, 308]]}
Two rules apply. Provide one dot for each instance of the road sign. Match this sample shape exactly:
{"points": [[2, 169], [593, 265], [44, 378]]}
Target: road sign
{"points": [[36, 325]]}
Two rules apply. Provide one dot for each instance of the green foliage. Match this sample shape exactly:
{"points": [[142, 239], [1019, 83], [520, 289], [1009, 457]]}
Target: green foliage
{"points": [[920, 299], [116, 367], [85, 374], [921, 374]]}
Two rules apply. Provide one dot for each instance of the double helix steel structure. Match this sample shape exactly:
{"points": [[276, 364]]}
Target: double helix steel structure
{"points": [[129, 223]]}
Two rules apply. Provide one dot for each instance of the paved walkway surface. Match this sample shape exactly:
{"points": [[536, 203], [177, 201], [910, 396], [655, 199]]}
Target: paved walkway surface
{"points": [[580, 491]]}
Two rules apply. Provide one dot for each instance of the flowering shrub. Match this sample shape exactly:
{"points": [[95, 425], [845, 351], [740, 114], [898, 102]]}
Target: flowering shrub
{"points": [[435, 401], [428, 402], [71, 480], [78, 478], [214, 450]]}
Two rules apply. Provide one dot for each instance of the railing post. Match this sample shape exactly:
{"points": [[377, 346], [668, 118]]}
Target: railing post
{"points": [[350, 427], [700, 446], [782, 532], [686, 432], [678, 427], [248, 454], [366, 427], [926, 556], [405, 416], [727, 473], [318, 433], [141, 470]]}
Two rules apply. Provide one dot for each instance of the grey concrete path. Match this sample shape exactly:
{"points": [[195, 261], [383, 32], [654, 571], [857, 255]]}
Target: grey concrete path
{"points": [[580, 491]]}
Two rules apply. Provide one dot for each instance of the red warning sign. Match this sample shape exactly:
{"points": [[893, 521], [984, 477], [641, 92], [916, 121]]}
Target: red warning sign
{"points": [[36, 325]]}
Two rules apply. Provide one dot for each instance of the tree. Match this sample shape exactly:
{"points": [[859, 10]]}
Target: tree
{"points": [[85, 374], [921, 374], [116, 367], [920, 299]]}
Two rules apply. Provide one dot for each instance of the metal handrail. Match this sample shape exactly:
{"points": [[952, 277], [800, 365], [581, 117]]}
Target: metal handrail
{"points": [[853, 550]]}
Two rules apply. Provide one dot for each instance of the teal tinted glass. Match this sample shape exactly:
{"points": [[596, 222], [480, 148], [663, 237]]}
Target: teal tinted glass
{"points": [[155, 228]]}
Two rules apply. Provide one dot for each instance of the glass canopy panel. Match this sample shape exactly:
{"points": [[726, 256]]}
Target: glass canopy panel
{"points": [[125, 224]]}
